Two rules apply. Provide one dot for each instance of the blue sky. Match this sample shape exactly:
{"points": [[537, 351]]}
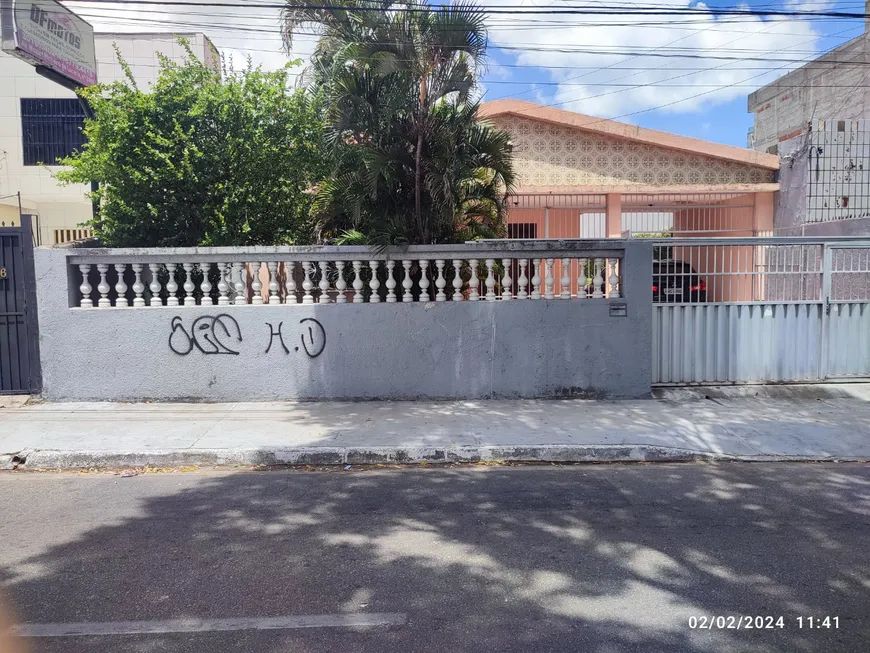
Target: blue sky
{"points": [[606, 66], [726, 60]]}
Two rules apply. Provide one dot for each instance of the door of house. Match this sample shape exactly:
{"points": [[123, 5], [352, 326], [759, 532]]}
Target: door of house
{"points": [[19, 346]]}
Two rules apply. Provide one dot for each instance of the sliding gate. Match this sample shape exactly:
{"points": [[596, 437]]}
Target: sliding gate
{"points": [[730, 310], [19, 348]]}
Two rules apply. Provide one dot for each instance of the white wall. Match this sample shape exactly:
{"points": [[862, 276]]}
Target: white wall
{"points": [[60, 207]]}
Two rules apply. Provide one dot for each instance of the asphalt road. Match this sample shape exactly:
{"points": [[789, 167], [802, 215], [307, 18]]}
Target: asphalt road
{"points": [[592, 559]]}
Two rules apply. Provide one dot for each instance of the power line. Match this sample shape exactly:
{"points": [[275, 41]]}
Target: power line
{"points": [[491, 25], [720, 66], [700, 69], [671, 52], [662, 47], [657, 85], [595, 10], [669, 104], [683, 53], [501, 26]]}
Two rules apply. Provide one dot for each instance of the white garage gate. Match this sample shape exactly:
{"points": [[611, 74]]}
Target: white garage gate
{"points": [[760, 310]]}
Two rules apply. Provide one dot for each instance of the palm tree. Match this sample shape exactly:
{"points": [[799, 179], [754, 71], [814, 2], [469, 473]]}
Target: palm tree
{"points": [[412, 163]]}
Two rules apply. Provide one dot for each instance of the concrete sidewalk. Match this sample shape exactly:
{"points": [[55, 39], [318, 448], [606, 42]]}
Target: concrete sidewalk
{"points": [[802, 423]]}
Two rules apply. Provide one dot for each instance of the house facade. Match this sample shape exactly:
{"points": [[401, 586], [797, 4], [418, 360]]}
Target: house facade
{"points": [[41, 121], [585, 177]]}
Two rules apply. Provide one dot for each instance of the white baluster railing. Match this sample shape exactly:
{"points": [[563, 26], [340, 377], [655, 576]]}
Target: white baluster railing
{"points": [[274, 298], [565, 280], [256, 284], [224, 284], [120, 286], [523, 280], [374, 283], [391, 283], [358, 296], [490, 280], [103, 286], [407, 282], [506, 280], [85, 288], [548, 278], [598, 280], [424, 281], [340, 284], [205, 284], [138, 286], [536, 279], [189, 299], [324, 283], [474, 282], [613, 280], [290, 283], [171, 285], [155, 286], [496, 271], [457, 280], [240, 282], [307, 282], [440, 281]]}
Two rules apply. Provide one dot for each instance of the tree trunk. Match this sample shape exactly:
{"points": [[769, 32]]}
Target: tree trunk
{"points": [[418, 183], [418, 163]]}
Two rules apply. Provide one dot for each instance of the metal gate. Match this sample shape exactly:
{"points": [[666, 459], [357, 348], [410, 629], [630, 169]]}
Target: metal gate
{"points": [[847, 312], [19, 346], [729, 310]]}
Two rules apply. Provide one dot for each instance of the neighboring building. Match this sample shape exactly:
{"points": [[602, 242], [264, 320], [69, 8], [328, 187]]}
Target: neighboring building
{"points": [[832, 87], [825, 181], [817, 118], [585, 177], [41, 121]]}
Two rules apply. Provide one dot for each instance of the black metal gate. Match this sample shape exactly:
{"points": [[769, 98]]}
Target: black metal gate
{"points": [[19, 336]]}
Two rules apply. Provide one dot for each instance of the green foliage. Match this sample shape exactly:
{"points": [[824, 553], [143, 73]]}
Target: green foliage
{"points": [[412, 163], [202, 158], [660, 252]]}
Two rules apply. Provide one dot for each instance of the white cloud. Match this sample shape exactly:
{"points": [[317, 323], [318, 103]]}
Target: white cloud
{"points": [[584, 78], [586, 82]]}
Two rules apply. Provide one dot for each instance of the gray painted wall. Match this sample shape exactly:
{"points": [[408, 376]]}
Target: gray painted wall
{"points": [[365, 351], [791, 202]]}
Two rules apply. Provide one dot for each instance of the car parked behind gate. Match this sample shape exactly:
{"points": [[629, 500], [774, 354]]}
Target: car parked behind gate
{"points": [[676, 282]]}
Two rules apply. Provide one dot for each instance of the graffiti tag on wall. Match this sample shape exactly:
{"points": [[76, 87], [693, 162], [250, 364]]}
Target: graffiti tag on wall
{"points": [[209, 334], [313, 337], [215, 334]]}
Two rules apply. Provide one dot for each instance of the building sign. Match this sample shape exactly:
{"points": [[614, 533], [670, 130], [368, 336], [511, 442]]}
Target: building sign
{"points": [[45, 33]]}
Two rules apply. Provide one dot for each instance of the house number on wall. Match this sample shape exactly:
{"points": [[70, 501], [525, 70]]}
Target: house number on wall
{"points": [[2, 273]]}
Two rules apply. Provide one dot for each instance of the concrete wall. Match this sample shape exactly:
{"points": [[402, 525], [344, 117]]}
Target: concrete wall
{"points": [[812, 187], [66, 207], [794, 176], [469, 350]]}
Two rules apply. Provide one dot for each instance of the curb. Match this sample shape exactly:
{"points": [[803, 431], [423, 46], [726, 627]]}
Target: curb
{"points": [[45, 459]]}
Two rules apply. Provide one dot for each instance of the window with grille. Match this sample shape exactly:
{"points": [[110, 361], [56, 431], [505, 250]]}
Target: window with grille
{"points": [[522, 230], [51, 129]]}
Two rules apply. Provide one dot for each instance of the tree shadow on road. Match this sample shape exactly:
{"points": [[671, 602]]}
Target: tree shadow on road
{"points": [[603, 559]]}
